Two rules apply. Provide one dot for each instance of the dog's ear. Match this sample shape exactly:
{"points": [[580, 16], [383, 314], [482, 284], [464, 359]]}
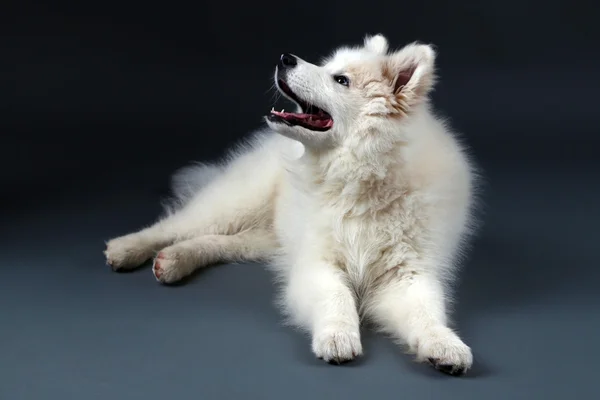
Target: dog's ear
{"points": [[411, 72], [376, 44]]}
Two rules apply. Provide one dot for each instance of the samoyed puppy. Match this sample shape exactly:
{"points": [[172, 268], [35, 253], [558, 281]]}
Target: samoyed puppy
{"points": [[361, 202]]}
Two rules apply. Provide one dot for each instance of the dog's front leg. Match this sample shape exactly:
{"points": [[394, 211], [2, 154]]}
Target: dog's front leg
{"points": [[411, 306], [319, 298]]}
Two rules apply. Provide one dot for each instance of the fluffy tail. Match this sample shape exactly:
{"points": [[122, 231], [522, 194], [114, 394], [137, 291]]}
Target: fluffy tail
{"points": [[187, 182]]}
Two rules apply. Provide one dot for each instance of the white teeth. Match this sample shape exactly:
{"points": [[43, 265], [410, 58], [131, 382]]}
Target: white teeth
{"points": [[272, 109], [282, 110]]}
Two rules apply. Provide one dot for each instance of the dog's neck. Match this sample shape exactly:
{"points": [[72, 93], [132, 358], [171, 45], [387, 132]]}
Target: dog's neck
{"points": [[357, 178]]}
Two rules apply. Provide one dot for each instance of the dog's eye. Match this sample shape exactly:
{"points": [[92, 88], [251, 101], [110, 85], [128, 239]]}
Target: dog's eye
{"points": [[342, 80]]}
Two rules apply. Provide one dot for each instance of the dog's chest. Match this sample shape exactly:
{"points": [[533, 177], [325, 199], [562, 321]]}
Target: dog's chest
{"points": [[367, 245], [363, 226], [357, 243]]}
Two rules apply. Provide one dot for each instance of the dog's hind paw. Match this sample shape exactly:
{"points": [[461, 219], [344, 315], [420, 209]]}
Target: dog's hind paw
{"points": [[126, 252]]}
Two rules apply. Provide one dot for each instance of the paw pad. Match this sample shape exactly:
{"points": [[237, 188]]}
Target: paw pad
{"points": [[157, 270], [450, 369]]}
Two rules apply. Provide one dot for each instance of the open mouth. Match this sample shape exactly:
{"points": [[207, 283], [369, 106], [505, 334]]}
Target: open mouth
{"points": [[312, 117]]}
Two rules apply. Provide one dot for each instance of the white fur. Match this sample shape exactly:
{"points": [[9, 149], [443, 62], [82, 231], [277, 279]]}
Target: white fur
{"points": [[365, 220]]}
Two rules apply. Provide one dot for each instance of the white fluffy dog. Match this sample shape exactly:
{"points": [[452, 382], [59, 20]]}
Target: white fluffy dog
{"points": [[360, 201]]}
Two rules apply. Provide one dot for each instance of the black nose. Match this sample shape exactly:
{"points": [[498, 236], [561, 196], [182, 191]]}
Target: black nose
{"points": [[287, 61]]}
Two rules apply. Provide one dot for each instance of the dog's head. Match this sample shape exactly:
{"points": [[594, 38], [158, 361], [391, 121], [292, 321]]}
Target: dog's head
{"points": [[357, 91]]}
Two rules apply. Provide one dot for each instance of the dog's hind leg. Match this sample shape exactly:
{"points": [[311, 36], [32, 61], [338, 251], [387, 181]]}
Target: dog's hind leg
{"points": [[238, 197], [227, 208], [134, 249], [182, 259]]}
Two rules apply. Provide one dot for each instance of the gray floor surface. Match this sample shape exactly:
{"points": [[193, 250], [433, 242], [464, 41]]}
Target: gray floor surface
{"points": [[72, 329]]}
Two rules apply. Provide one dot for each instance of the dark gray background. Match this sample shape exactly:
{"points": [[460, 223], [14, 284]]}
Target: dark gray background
{"points": [[102, 101]]}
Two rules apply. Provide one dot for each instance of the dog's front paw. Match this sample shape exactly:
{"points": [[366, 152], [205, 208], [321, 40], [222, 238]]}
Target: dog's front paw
{"points": [[337, 344], [443, 349], [126, 252]]}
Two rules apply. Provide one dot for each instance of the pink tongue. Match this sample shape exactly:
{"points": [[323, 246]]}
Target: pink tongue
{"points": [[323, 123], [311, 119]]}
